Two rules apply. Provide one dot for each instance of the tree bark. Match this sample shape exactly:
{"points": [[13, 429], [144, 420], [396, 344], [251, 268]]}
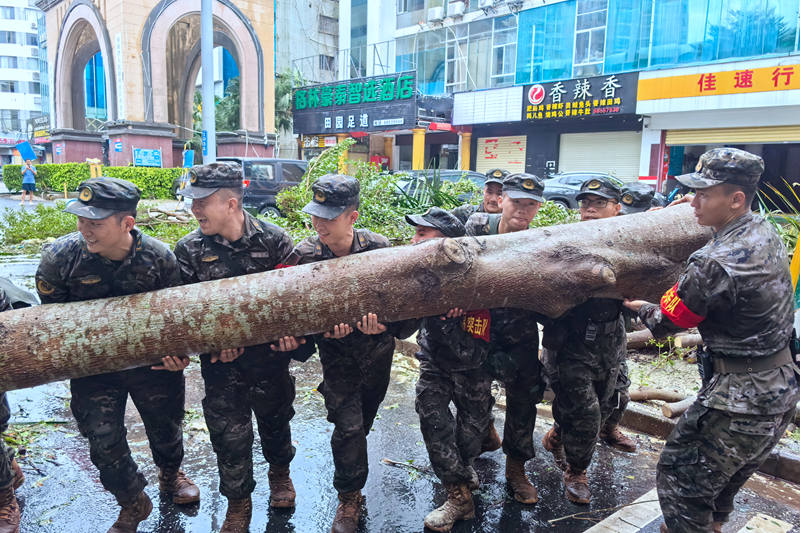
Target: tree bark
{"points": [[548, 270], [644, 394]]}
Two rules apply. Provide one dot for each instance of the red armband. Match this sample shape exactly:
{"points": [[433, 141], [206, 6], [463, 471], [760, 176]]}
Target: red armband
{"points": [[673, 308], [477, 324], [281, 265]]}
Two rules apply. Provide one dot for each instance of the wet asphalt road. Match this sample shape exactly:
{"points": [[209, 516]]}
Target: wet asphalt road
{"points": [[62, 492]]}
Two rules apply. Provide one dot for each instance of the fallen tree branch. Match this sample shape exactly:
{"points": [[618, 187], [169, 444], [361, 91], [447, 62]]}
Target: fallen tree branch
{"points": [[409, 466], [644, 394], [676, 409]]}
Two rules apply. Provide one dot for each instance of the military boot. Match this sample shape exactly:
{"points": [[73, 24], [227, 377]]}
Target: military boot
{"points": [[9, 511], [552, 443], [281, 489], [518, 482], [131, 514], [19, 477], [576, 486], [237, 519], [347, 514], [611, 435], [491, 441], [459, 506], [175, 482]]}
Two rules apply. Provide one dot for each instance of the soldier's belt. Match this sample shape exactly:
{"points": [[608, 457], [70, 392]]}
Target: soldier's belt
{"points": [[744, 365]]}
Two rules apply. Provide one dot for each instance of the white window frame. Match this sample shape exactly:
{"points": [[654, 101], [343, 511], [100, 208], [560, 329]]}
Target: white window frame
{"points": [[601, 62]]}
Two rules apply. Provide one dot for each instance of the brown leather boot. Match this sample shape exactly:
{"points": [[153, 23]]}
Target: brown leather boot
{"points": [[237, 519], [130, 515], [459, 506], [175, 482], [347, 514], [611, 435], [9, 511], [576, 486], [552, 443], [281, 489], [19, 477], [518, 482], [491, 441]]}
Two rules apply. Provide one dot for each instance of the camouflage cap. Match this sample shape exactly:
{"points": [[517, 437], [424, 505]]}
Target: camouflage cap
{"points": [[524, 186], [496, 175], [725, 165], [100, 198], [333, 194], [438, 218], [600, 186], [636, 197], [205, 180]]}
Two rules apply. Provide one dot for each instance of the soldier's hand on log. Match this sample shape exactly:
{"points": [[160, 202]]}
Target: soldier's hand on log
{"points": [[686, 199], [287, 344], [453, 313], [173, 363], [339, 331], [633, 305], [226, 356], [369, 325]]}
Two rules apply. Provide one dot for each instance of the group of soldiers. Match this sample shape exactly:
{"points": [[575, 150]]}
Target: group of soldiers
{"points": [[736, 290]]}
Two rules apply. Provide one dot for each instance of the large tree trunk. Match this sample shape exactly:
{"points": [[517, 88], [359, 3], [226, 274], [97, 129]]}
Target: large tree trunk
{"points": [[549, 270]]}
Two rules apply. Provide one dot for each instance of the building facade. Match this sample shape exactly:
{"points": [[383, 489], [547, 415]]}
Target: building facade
{"points": [[535, 83], [23, 89]]}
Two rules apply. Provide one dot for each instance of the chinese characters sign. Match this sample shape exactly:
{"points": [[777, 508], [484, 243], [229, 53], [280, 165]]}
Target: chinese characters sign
{"points": [[743, 80], [579, 98], [368, 104]]}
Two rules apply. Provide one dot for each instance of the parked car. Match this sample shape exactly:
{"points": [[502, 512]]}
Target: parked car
{"points": [[409, 184], [562, 188], [263, 178]]}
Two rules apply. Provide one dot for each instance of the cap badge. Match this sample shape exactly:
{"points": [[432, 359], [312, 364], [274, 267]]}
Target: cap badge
{"points": [[627, 199], [86, 194], [193, 179], [528, 184], [497, 173], [699, 166], [319, 197], [594, 184]]}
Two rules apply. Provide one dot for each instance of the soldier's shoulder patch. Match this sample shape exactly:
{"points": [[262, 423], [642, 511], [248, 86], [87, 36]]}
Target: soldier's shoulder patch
{"points": [[209, 258], [44, 287]]}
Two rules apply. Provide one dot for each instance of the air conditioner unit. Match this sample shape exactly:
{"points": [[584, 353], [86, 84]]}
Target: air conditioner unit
{"points": [[435, 14], [456, 9], [485, 4]]}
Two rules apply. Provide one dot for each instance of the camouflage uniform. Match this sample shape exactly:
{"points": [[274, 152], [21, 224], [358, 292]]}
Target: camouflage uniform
{"points": [[6, 453], [514, 341], [451, 354], [737, 291], [258, 381], [588, 348], [463, 212], [11, 297], [356, 368], [68, 272]]}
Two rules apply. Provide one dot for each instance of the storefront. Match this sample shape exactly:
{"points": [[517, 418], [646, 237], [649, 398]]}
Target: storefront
{"points": [[752, 105], [393, 125], [580, 125]]}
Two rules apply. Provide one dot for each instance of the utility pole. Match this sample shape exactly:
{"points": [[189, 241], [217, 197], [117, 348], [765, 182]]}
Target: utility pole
{"points": [[207, 62]]}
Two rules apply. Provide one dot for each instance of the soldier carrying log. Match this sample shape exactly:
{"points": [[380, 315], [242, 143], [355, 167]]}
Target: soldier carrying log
{"points": [[737, 291]]}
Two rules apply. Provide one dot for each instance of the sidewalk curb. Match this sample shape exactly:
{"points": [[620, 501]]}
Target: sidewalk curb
{"points": [[782, 465]]}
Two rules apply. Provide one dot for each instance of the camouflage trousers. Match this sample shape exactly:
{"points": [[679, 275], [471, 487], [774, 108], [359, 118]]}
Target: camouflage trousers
{"points": [[6, 454], [353, 387], [582, 396], [706, 460], [620, 398], [255, 383], [520, 372], [453, 444], [98, 404]]}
